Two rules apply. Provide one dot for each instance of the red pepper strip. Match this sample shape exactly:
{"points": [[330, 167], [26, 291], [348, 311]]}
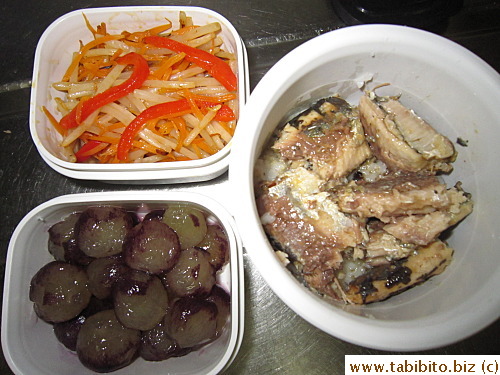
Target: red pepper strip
{"points": [[225, 113], [78, 110], [221, 71], [151, 113], [139, 75], [87, 150]]}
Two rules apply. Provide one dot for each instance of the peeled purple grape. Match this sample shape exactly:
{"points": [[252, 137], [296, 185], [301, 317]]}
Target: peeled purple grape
{"points": [[151, 246], [156, 343], [67, 332], [192, 275], [104, 344], [103, 273], [216, 244], [73, 254], [140, 300], [62, 242], [100, 231], [61, 232], [193, 322], [59, 291], [188, 222], [154, 215], [129, 313], [96, 305], [223, 302]]}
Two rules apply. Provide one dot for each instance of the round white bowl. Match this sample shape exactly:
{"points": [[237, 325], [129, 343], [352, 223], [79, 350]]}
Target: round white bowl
{"points": [[456, 92]]}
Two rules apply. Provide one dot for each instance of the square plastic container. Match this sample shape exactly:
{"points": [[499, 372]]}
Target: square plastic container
{"points": [[54, 54], [452, 89], [29, 344]]}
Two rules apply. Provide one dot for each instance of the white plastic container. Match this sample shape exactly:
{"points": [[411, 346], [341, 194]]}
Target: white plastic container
{"points": [[449, 87], [29, 344], [52, 57]]}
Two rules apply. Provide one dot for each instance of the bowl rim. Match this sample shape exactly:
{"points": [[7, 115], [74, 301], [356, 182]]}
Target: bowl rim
{"points": [[425, 333], [201, 169]]}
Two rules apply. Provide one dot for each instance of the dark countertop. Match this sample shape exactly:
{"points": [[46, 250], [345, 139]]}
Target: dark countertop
{"points": [[275, 340]]}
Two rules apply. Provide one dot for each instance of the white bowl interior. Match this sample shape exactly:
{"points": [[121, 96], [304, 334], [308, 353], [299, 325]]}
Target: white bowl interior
{"points": [[453, 90], [54, 53], [29, 344]]}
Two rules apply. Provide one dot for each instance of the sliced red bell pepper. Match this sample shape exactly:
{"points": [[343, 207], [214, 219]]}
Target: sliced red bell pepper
{"points": [[139, 75], [225, 113], [220, 70], [87, 150], [151, 113]]}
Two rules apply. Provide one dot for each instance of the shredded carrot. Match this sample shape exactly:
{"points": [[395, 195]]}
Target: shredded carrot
{"points": [[156, 30], [107, 154], [101, 29], [196, 110], [145, 146], [116, 125], [180, 66], [89, 26], [204, 146], [85, 136], [115, 55], [191, 134], [84, 49], [166, 75], [197, 150], [139, 35], [103, 138], [180, 126], [95, 67], [226, 128], [183, 30], [79, 107], [167, 64], [164, 128], [214, 99], [142, 50], [53, 121]]}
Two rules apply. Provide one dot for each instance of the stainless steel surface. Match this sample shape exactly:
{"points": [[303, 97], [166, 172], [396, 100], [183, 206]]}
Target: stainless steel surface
{"points": [[275, 340]]}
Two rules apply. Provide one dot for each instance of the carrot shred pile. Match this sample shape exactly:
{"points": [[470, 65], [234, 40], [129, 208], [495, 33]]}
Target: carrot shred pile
{"points": [[202, 128]]}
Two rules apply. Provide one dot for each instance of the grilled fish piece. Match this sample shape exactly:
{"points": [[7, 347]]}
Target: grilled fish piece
{"points": [[382, 247], [350, 200], [305, 221], [423, 229], [417, 133], [393, 195], [419, 229], [384, 281], [403, 140], [328, 136]]}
